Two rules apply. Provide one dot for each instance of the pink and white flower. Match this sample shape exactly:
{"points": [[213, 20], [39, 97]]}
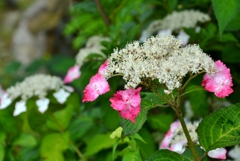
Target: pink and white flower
{"points": [[73, 73], [221, 82], [98, 85], [176, 141], [127, 102], [5, 101]]}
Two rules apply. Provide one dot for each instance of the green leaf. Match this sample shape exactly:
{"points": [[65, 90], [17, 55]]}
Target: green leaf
{"points": [[132, 128], [146, 149], [62, 117], [234, 24], [165, 155], [172, 4], [132, 156], [138, 137], [199, 103], [150, 100], [115, 148], [228, 37], [99, 142], [231, 54], [53, 145], [193, 89], [25, 140], [220, 129], [160, 122], [225, 11], [80, 126], [187, 155]]}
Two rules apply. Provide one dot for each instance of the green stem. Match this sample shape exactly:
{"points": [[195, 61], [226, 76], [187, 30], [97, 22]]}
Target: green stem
{"points": [[189, 79], [190, 142], [184, 126], [81, 156], [102, 12]]}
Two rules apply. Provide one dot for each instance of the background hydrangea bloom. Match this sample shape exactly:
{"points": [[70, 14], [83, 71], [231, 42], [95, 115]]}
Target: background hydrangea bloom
{"points": [[176, 141], [127, 102], [221, 82]]}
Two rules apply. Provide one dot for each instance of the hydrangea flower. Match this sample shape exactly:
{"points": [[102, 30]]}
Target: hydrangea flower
{"points": [[221, 82], [35, 86], [73, 73], [127, 102], [176, 141], [98, 85]]}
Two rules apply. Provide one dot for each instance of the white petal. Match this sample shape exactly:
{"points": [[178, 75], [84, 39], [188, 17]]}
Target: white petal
{"points": [[5, 101], [197, 29], [219, 153], [165, 32], [183, 37], [178, 147], [20, 107], [61, 95], [235, 152], [68, 88], [42, 104]]}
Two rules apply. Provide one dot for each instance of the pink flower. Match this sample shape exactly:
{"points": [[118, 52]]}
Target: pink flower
{"points": [[103, 67], [219, 153], [221, 82], [169, 135], [73, 73], [98, 85], [127, 102], [176, 141]]}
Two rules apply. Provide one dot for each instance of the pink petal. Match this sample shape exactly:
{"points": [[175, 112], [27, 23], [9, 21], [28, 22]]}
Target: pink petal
{"points": [[219, 153], [98, 85], [166, 140], [221, 82], [127, 102], [103, 67], [175, 125], [73, 73]]}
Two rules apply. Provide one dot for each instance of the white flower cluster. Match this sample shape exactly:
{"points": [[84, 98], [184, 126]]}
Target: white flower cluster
{"points": [[175, 21], [160, 57], [36, 85], [179, 136], [93, 46]]}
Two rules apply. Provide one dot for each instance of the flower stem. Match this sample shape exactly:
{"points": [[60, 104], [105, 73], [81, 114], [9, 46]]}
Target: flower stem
{"points": [[81, 156], [102, 12], [184, 126], [190, 142]]}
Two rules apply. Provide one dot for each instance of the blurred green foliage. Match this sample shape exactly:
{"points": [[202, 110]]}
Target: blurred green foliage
{"points": [[33, 136]]}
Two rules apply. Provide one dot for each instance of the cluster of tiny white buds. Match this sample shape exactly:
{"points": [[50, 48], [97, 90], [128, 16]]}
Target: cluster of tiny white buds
{"points": [[161, 58], [36, 85]]}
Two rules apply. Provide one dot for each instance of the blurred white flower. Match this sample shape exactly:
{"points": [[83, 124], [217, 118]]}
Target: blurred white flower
{"points": [[61, 95], [42, 104], [235, 153], [20, 107]]}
